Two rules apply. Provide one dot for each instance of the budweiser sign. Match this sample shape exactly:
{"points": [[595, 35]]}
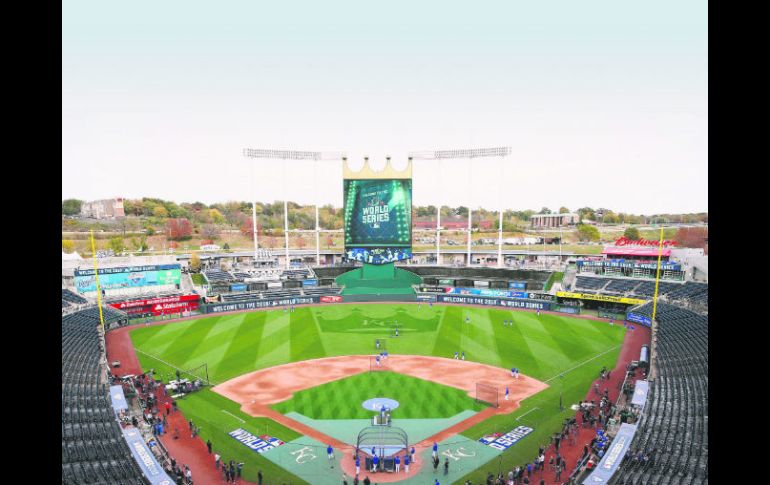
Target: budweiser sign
{"points": [[624, 241]]}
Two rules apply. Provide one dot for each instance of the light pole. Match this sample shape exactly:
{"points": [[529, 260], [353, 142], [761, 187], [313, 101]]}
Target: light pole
{"points": [[285, 155], [469, 153]]}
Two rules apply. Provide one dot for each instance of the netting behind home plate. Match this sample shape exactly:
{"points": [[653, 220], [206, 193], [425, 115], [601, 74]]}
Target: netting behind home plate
{"points": [[486, 393]]}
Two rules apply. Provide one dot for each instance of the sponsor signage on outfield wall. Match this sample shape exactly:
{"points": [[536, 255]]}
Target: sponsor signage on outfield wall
{"points": [[517, 285], [260, 444], [255, 304], [481, 300], [159, 306], [309, 282], [433, 289], [521, 295], [330, 299], [503, 442], [637, 318], [426, 297], [574, 310], [610, 299]]}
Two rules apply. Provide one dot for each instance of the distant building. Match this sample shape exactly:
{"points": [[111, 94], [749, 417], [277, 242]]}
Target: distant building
{"points": [[103, 209], [554, 220]]}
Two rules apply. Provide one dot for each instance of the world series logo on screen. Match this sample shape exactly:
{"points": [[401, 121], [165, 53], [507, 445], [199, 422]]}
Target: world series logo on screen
{"points": [[378, 215]]}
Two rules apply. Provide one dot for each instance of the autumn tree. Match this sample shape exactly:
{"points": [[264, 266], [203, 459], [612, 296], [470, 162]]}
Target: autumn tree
{"points": [[68, 246], [563, 210], [210, 231], [632, 233], [692, 237], [116, 244], [587, 232], [195, 261], [71, 207], [178, 229]]}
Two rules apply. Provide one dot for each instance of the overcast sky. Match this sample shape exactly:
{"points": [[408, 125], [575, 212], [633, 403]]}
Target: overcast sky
{"points": [[604, 103]]}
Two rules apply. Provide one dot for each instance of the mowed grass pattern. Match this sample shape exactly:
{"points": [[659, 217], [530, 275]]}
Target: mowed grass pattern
{"points": [[232, 345], [543, 347], [342, 399]]}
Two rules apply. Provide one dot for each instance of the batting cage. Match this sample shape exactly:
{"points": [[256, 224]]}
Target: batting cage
{"points": [[376, 364], [386, 441], [487, 393]]}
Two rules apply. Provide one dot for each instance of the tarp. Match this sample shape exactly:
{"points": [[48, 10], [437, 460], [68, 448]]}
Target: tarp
{"points": [[613, 456], [144, 457], [118, 398], [626, 251], [640, 393]]}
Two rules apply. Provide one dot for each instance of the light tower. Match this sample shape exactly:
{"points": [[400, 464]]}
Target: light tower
{"points": [[471, 153], [269, 154]]}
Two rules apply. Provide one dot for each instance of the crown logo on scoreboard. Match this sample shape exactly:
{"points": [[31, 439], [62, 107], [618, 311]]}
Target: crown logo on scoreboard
{"points": [[366, 172]]}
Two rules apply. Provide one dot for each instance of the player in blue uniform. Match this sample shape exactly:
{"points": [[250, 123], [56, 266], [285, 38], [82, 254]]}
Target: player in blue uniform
{"points": [[435, 449], [406, 463], [330, 453], [411, 451], [506, 393], [463, 355], [375, 462], [513, 371], [358, 464], [397, 460]]}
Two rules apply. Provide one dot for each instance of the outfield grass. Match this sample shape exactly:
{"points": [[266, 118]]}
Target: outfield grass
{"points": [[417, 398], [540, 346], [216, 415]]}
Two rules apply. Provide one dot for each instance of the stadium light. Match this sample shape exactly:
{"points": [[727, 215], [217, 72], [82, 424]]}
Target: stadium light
{"points": [[270, 154], [464, 153]]}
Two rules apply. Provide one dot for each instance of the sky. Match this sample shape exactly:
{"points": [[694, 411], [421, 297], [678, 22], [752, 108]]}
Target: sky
{"points": [[603, 103]]}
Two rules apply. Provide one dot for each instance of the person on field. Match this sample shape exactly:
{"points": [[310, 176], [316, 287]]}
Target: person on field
{"points": [[358, 465], [208, 445], [435, 449], [411, 451], [397, 461], [375, 462], [406, 463]]}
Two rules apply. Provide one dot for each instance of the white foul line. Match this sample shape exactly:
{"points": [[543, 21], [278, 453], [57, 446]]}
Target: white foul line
{"points": [[236, 417], [587, 361], [526, 413]]}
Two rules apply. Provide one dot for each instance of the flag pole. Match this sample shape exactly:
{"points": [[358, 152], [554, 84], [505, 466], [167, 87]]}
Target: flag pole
{"points": [[96, 275], [657, 276]]}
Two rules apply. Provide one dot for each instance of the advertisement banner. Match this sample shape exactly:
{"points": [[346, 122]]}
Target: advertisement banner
{"points": [[433, 289], [330, 299], [609, 299], [309, 282], [238, 287], [426, 297], [153, 301], [144, 457], [256, 304], [613, 456], [128, 277], [446, 282], [503, 442], [488, 292], [641, 319], [118, 399], [260, 444], [480, 300], [517, 285], [574, 310]]}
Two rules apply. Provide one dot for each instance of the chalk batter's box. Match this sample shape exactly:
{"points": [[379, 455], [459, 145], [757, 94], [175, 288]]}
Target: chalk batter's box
{"points": [[503, 442]]}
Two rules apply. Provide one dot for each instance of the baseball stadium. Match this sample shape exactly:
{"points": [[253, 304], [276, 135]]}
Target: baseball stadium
{"points": [[385, 362]]}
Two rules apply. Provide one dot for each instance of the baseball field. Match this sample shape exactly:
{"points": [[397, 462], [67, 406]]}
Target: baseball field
{"points": [[562, 352]]}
